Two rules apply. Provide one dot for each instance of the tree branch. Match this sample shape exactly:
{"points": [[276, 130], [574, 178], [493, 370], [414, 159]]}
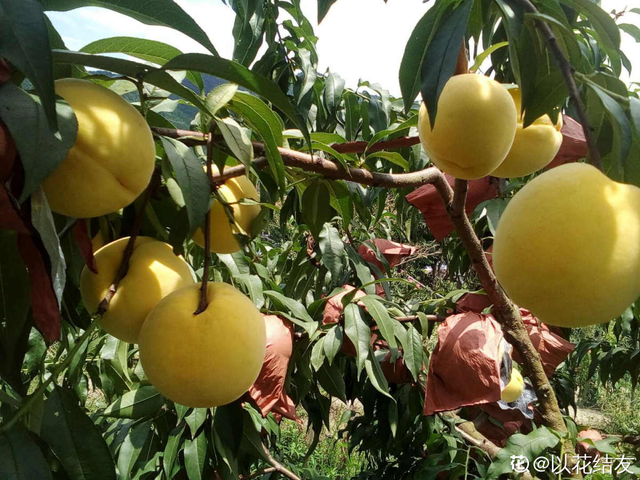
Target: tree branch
{"points": [[128, 250], [281, 469], [505, 311], [191, 138], [460, 195], [259, 473], [567, 71]]}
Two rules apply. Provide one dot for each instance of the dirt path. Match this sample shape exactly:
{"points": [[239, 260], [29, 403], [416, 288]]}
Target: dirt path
{"points": [[591, 417]]}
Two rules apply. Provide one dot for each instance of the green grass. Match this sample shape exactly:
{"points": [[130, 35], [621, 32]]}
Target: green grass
{"points": [[330, 459]]}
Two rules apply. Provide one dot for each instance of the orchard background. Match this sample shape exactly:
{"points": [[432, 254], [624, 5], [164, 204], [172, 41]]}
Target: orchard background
{"points": [[334, 167]]}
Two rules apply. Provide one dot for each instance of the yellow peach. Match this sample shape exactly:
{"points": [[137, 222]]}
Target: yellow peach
{"points": [[112, 159]]}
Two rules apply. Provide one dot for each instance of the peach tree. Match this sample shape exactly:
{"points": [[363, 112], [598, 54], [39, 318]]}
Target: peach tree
{"points": [[334, 169]]}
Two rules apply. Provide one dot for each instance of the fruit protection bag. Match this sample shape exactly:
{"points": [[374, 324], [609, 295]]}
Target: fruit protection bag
{"points": [[332, 314], [268, 391], [553, 348], [574, 145], [334, 308], [393, 252], [428, 201], [395, 372], [465, 365]]}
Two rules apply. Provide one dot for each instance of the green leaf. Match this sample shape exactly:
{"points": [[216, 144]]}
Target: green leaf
{"points": [[323, 8], [550, 92], [479, 60], [195, 453], [165, 13], [332, 249], [236, 73], [248, 30], [385, 323], [148, 50], [622, 132], [333, 90], [316, 207], [341, 201], [413, 352], [441, 56], [513, 15], [131, 69], [375, 374], [15, 323], [631, 29], [332, 380], [362, 269], [115, 352], [295, 307], [333, 342], [253, 286], [41, 151], [352, 115], [414, 53], [331, 151], [237, 140], [132, 446], [531, 446], [495, 208], [75, 440], [218, 98], [604, 25], [411, 122], [268, 126], [20, 457], [195, 420], [392, 414], [393, 157], [358, 332], [139, 403], [318, 354], [191, 178], [171, 450], [24, 41], [309, 75], [227, 434]]}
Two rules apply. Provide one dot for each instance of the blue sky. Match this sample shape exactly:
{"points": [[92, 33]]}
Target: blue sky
{"points": [[359, 39]]}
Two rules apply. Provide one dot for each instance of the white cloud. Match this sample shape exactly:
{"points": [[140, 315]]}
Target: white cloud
{"points": [[358, 39]]}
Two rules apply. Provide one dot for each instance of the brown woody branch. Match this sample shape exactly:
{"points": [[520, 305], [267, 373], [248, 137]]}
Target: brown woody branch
{"points": [[281, 469], [128, 250], [567, 71], [503, 309], [191, 138]]}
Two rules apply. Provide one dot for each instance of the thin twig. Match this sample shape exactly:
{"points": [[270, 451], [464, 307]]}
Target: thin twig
{"points": [[260, 473], [191, 138], [567, 71], [202, 305], [128, 250], [281, 469]]}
